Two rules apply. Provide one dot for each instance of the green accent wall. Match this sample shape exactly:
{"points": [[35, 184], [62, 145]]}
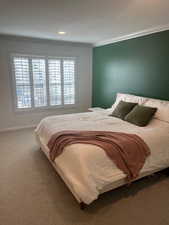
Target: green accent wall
{"points": [[137, 66]]}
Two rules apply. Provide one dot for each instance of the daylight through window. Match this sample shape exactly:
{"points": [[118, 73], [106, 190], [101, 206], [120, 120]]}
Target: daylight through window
{"points": [[43, 82]]}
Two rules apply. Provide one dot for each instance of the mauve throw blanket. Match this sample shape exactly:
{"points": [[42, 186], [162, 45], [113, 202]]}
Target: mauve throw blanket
{"points": [[127, 151]]}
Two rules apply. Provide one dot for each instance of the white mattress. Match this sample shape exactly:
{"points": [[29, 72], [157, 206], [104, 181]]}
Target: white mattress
{"points": [[85, 168]]}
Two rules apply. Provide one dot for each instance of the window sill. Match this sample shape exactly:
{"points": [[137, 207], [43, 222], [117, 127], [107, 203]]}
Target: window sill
{"points": [[44, 109]]}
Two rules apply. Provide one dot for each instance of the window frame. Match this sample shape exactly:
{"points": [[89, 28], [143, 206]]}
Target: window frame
{"points": [[46, 58]]}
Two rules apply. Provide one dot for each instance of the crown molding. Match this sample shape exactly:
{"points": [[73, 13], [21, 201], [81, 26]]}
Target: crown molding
{"points": [[43, 40], [133, 35]]}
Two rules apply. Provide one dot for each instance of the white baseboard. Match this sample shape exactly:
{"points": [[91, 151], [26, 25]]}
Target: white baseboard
{"points": [[17, 128]]}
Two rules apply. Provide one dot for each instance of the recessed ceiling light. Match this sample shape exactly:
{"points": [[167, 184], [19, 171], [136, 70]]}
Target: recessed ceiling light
{"points": [[61, 32]]}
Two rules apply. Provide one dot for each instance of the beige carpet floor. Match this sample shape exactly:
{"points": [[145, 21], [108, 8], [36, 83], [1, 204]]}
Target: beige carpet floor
{"points": [[31, 193]]}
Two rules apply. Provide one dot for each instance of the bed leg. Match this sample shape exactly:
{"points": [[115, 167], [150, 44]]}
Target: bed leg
{"points": [[82, 205], [167, 172]]}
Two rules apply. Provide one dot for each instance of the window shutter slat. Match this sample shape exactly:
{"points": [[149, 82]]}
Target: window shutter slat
{"points": [[43, 82], [39, 82], [22, 80], [69, 81], [54, 70]]}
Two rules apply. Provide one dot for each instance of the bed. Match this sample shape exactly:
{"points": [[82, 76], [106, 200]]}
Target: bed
{"points": [[85, 168]]}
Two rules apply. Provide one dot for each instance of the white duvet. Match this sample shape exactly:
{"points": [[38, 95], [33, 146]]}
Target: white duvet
{"points": [[86, 167]]}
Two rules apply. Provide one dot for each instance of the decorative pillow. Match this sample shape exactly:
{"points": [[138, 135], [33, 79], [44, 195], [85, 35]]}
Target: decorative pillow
{"points": [[128, 98], [163, 108], [122, 109], [140, 115]]}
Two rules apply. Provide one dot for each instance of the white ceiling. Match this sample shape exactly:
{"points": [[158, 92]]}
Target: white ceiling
{"points": [[88, 21]]}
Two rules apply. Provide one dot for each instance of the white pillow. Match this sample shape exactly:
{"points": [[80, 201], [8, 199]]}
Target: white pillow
{"points": [[162, 108], [128, 98]]}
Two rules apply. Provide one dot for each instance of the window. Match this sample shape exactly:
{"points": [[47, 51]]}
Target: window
{"points": [[43, 82]]}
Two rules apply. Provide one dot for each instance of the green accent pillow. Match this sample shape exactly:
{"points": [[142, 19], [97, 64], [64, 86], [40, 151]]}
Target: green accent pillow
{"points": [[122, 109], [140, 115]]}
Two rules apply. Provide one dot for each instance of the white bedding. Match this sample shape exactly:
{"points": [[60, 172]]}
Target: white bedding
{"points": [[86, 167]]}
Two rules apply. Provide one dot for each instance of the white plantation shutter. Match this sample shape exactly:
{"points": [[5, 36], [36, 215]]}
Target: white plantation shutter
{"points": [[54, 70], [69, 81], [42, 82], [22, 80], [39, 82]]}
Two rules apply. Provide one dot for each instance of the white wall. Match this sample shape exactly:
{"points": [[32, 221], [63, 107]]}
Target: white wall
{"points": [[11, 119]]}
